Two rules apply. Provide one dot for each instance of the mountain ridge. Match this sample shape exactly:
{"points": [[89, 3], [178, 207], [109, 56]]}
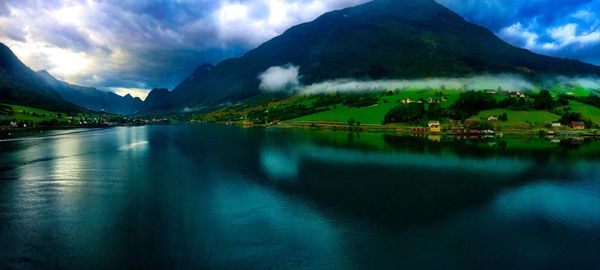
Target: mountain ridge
{"points": [[93, 99], [382, 39], [22, 86]]}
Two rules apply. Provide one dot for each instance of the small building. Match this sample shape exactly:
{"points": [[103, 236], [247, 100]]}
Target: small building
{"points": [[435, 128], [434, 123], [556, 124], [418, 130], [472, 124], [407, 101], [493, 118], [577, 125]]}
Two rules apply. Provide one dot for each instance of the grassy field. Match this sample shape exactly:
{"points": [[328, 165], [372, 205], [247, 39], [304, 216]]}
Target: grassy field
{"points": [[35, 115], [587, 111], [519, 119], [516, 119], [375, 114], [575, 91], [24, 113]]}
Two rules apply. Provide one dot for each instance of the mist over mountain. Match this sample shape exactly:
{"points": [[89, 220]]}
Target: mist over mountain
{"points": [[382, 39]]}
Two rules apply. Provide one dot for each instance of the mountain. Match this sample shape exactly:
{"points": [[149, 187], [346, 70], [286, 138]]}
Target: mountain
{"points": [[382, 39], [159, 99], [92, 98], [21, 85]]}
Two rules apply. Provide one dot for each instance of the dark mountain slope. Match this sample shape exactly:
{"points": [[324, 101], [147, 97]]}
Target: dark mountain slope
{"points": [[92, 98], [21, 85]]}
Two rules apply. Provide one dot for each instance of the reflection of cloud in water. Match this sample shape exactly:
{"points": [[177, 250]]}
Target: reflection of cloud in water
{"points": [[572, 204], [279, 164], [285, 162]]}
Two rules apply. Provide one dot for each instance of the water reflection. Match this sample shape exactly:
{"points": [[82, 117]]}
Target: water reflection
{"points": [[186, 196], [570, 204]]}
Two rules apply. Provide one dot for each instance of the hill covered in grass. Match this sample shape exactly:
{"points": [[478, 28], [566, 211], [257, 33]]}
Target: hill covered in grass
{"points": [[490, 109]]}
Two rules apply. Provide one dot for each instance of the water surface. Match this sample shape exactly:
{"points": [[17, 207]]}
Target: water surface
{"points": [[220, 197]]}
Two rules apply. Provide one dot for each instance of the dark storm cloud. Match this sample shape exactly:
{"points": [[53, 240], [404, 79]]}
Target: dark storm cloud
{"points": [[66, 37]]}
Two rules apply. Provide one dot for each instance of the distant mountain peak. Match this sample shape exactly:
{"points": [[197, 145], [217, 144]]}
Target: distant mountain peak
{"points": [[45, 74]]}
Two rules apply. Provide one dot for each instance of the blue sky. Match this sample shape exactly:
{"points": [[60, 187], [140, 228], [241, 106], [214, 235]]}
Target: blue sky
{"points": [[129, 46]]}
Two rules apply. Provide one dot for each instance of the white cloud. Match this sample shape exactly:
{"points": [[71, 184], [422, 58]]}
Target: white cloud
{"points": [[254, 22], [583, 14], [560, 37], [567, 35], [505, 81], [517, 32], [282, 78]]}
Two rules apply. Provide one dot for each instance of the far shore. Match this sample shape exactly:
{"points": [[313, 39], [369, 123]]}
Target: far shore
{"points": [[8, 133], [418, 130]]}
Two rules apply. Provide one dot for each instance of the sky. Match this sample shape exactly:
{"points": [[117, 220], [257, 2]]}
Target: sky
{"points": [[131, 46]]}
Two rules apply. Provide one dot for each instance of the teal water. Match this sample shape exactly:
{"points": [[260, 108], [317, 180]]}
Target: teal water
{"points": [[220, 197]]}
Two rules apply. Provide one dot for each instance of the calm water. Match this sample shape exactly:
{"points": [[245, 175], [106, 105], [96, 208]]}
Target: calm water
{"points": [[204, 196]]}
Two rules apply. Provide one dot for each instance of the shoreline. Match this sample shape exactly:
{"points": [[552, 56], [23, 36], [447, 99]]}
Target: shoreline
{"points": [[15, 133], [10, 133], [410, 130]]}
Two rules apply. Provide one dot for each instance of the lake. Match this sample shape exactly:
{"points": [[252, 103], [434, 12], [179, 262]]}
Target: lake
{"points": [[224, 197]]}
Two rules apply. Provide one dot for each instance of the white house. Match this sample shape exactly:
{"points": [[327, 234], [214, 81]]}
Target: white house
{"points": [[434, 123]]}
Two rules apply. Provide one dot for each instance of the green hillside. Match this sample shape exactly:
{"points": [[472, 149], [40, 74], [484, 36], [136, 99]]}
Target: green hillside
{"points": [[518, 119], [374, 114], [587, 111], [35, 116]]}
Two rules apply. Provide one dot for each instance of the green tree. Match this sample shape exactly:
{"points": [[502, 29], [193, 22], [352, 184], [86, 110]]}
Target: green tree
{"points": [[435, 110], [471, 103], [569, 117], [405, 113], [543, 101], [351, 121], [503, 117]]}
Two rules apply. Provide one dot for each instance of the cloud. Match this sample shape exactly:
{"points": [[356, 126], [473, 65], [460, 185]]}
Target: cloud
{"points": [[134, 92], [520, 36], [567, 34], [282, 78], [253, 22], [583, 14], [552, 27], [562, 38], [505, 81], [147, 44], [144, 44]]}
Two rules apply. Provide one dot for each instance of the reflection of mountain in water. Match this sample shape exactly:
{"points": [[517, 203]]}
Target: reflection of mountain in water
{"points": [[416, 181]]}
